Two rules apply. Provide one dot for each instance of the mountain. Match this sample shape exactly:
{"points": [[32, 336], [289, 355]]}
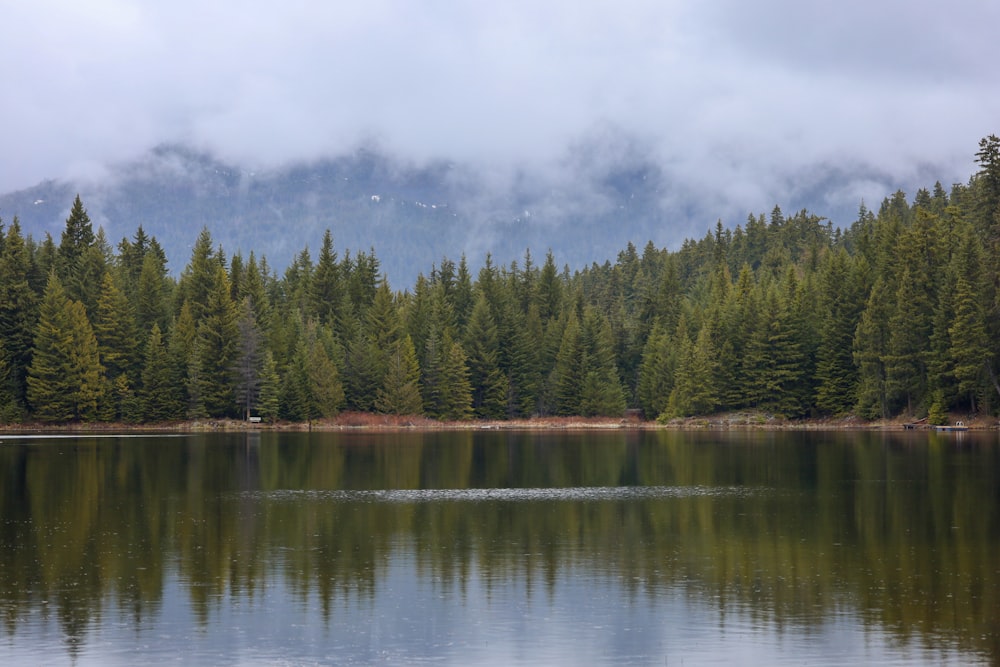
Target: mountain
{"points": [[586, 210]]}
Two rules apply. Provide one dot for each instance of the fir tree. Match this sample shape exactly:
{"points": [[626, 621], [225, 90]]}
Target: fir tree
{"points": [[160, 397], [656, 372], [65, 380], [489, 385], [217, 349], [836, 374], [18, 313], [77, 237], [246, 369], [325, 287], [114, 327], [268, 405], [694, 391], [400, 391]]}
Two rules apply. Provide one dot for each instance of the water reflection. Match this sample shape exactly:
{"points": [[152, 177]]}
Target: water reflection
{"points": [[502, 547]]}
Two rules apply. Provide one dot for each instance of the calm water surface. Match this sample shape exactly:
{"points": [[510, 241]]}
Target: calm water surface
{"points": [[501, 548]]}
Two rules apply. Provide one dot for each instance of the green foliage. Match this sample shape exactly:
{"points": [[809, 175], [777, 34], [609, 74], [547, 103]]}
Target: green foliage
{"points": [[899, 312], [695, 385], [65, 380], [160, 398], [400, 391], [217, 351], [18, 315], [489, 393]]}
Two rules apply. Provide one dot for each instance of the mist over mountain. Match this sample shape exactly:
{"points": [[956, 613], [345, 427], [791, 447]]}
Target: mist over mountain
{"points": [[585, 209]]}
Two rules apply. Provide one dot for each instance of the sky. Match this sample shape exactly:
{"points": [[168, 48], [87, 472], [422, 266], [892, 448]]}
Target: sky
{"points": [[733, 99]]}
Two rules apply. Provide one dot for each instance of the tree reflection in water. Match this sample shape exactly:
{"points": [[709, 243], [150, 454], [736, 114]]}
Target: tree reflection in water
{"points": [[793, 528]]}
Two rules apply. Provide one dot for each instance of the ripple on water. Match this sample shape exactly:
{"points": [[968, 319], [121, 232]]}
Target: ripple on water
{"points": [[576, 493]]}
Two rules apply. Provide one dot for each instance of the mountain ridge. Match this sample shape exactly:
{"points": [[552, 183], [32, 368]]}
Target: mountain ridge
{"points": [[411, 216]]}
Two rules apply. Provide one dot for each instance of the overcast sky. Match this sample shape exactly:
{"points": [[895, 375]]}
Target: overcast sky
{"points": [[727, 95]]}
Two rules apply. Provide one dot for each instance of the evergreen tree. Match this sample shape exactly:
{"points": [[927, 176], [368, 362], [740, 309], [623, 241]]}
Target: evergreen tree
{"points": [[456, 394], [325, 393], [84, 285], [870, 346], [549, 293], [840, 308], [777, 368], [601, 392], [325, 287], [489, 385], [400, 391], [152, 294], [77, 237], [182, 349], [65, 380], [312, 388], [18, 314], [694, 391], [567, 374], [217, 351], [247, 366], [656, 372], [160, 397], [10, 411], [268, 402], [968, 334], [198, 280], [445, 387], [462, 300], [114, 328], [907, 348]]}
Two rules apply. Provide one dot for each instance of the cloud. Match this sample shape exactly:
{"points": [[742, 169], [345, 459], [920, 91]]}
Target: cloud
{"points": [[731, 99]]}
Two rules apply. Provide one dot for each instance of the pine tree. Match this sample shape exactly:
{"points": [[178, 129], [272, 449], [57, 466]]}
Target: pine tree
{"points": [[18, 314], [910, 323], [311, 386], [160, 398], [325, 288], [444, 381], [694, 390], [968, 334], [114, 327], [85, 366], [601, 392], [217, 350], [50, 385], [77, 237], [840, 308], [400, 391], [777, 371], [65, 380], [656, 372], [153, 289], [198, 280], [489, 385], [462, 299], [549, 293], [247, 366], [10, 411], [567, 377], [268, 405], [182, 357], [456, 394], [870, 346]]}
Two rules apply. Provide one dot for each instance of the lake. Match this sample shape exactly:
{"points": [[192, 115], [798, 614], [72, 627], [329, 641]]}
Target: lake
{"points": [[501, 547]]}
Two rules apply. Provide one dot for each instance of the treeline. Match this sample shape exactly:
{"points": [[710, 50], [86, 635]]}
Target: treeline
{"points": [[898, 313]]}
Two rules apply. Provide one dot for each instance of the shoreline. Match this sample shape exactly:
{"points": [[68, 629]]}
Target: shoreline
{"points": [[350, 421]]}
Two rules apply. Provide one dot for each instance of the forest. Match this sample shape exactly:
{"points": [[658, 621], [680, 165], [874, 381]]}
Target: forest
{"points": [[897, 314]]}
